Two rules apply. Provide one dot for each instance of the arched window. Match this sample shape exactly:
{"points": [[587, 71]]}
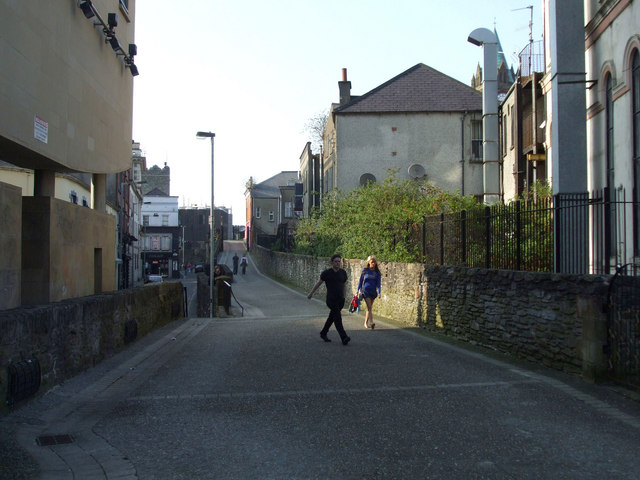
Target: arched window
{"points": [[610, 239], [635, 118], [366, 179], [608, 108]]}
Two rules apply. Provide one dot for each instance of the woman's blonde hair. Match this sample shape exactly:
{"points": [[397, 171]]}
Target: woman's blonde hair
{"points": [[372, 257]]}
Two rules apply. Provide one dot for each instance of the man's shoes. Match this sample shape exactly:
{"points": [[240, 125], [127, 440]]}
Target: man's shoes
{"points": [[346, 340], [324, 337]]}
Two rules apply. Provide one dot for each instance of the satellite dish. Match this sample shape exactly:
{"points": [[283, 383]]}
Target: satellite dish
{"points": [[416, 171]]}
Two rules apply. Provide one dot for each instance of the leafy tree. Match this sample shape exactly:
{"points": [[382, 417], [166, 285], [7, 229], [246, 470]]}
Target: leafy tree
{"points": [[382, 219]]}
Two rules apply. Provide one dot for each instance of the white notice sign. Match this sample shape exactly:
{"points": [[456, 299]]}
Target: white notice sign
{"points": [[40, 129]]}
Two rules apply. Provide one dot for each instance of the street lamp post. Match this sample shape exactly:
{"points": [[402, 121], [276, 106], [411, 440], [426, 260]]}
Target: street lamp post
{"points": [[212, 302]]}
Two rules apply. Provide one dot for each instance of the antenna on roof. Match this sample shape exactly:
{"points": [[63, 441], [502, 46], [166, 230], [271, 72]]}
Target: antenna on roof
{"points": [[530, 7]]}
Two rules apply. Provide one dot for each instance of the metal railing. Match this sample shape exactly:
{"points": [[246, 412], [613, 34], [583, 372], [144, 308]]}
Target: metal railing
{"points": [[569, 233]]}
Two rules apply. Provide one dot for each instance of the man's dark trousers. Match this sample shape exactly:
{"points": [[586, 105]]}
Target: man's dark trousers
{"points": [[335, 317]]}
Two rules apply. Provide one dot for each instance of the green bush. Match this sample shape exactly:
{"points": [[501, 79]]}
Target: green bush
{"points": [[382, 219]]}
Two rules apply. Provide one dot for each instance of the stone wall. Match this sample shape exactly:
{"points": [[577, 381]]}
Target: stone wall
{"points": [[70, 336], [554, 320]]}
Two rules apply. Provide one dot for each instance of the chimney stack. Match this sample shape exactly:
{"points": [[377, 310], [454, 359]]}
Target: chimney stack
{"points": [[345, 88]]}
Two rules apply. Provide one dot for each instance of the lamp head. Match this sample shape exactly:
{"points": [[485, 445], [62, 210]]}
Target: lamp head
{"points": [[112, 20], [87, 8], [480, 36], [205, 134], [115, 44]]}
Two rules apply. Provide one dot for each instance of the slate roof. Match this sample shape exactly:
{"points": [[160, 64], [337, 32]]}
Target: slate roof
{"points": [[419, 89], [270, 188], [156, 192]]}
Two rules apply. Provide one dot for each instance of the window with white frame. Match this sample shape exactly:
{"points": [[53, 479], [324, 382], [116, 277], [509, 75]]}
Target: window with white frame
{"points": [[272, 216], [476, 140], [165, 220], [258, 212], [288, 209]]}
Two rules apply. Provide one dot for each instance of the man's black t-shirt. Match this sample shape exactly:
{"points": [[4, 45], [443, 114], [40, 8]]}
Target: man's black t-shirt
{"points": [[334, 281]]}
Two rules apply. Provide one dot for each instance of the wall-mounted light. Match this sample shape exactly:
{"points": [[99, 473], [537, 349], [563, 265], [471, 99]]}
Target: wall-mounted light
{"points": [[115, 44], [87, 8], [112, 20], [109, 35]]}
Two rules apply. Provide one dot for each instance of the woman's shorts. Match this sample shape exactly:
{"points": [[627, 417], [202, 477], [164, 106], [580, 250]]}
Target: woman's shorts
{"points": [[371, 295]]}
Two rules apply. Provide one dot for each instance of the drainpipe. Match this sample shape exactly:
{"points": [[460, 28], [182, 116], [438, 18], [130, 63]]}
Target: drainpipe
{"points": [[321, 174], [490, 164], [462, 152]]}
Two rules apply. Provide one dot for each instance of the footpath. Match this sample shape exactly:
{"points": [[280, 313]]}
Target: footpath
{"points": [[261, 396]]}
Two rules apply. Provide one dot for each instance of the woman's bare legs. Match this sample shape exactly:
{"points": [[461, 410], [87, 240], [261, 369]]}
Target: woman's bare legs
{"points": [[368, 318]]}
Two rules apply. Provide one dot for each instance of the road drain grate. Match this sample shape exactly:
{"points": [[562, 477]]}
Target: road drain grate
{"points": [[48, 440]]}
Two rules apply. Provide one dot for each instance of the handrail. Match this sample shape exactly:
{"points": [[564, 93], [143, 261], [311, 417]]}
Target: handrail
{"points": [[234, 297]]}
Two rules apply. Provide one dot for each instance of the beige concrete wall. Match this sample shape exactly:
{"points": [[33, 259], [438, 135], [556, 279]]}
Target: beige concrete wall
{"points": [[59, 248], [62, 72], [10, 245]]}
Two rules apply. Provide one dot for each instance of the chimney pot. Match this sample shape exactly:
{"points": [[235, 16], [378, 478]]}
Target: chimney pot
{"points": [[345, 88]]}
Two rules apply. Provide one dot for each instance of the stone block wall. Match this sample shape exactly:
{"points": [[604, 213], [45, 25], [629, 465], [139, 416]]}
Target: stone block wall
{"points": [[534, 316], [555, 320], [70, 336]]}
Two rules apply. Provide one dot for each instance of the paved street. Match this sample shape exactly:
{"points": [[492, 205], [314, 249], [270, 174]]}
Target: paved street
{"points": [[263, 397]]}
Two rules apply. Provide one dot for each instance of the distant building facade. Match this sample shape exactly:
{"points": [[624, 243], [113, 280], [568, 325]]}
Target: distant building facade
{"points": [[270, 204]]}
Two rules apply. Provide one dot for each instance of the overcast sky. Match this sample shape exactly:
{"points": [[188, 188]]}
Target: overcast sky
{"points": [[255, 72]]}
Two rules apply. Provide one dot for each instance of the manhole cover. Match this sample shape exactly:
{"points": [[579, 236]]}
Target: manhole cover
{"points": [[48, 440]]}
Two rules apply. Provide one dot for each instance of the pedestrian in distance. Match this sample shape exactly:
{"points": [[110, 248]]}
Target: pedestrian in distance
{"points": [[236, 259], [335, 280], [243, 263], [369, 287]]}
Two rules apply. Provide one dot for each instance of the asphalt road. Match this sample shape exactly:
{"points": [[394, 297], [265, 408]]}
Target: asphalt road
{"points": [[263, 397]]}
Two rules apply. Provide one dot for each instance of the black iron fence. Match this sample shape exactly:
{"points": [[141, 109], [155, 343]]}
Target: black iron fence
{"points": [[569, 233]]}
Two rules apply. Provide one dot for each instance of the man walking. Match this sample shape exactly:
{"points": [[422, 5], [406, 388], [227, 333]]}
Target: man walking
{"points": [[236, 260], [335, 279]]}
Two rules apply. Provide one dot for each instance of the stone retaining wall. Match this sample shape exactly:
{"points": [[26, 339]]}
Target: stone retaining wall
{"points": [[70, 336], [555, 320]]}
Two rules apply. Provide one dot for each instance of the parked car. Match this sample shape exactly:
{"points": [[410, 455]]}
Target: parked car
{"points": [[155, 278], [199, 268]]}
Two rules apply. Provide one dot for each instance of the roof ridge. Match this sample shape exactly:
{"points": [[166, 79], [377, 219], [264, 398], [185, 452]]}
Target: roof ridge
{"points": [[430, 90]]}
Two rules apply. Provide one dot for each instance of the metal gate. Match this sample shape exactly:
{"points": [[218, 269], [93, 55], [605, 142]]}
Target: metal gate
{"points": [[624, 326]]}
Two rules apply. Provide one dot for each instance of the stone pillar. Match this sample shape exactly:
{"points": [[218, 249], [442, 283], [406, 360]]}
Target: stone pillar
{"points": [[568, 153], [44, 183], [594, 338], [569, 124], [99, 192]]}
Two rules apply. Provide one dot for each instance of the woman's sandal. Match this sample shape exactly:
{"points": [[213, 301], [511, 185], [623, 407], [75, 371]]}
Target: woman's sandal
{"points": [[373, 325]]}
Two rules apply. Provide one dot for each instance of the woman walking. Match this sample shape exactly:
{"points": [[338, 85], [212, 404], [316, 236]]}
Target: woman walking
{"points": [[369, 286]]}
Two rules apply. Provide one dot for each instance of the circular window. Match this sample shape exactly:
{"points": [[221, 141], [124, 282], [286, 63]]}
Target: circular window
{"points": [[366, 179]]}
